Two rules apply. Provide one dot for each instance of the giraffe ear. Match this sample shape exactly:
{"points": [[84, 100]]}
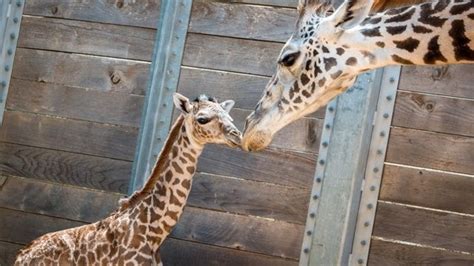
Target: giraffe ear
{"points": [[351, 13], [227, 105], [182, 103]]}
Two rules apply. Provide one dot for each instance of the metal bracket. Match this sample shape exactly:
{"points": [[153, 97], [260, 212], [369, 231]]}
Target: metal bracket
{"points": [[164, 76], [10, 19], [375, 164]]}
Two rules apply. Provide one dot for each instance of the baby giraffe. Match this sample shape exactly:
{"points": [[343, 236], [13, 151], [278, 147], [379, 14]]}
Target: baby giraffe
{"points": [[133, 234]]}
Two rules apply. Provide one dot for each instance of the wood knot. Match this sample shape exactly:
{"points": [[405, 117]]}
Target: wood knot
{"points": [[439, 73], [119, 4], [429, 107], [54, 10], [115, 77]]}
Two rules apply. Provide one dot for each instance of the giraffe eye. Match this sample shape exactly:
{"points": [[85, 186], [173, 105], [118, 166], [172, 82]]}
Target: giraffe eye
{"points": [[289, 59], [203, 120]]}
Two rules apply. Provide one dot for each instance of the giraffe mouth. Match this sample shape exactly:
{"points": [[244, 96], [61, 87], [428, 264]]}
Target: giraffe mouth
{"points": [[234, 139]]}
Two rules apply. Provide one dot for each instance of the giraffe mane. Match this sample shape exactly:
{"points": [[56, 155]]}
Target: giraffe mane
{"points": [[157, 169]]}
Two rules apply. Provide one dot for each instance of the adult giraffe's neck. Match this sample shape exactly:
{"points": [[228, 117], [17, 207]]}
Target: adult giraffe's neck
{"points": [[157, 207], [433, 33]]}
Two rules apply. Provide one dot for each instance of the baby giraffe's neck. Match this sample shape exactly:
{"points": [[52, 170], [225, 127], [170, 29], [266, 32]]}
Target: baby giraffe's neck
{"points": [[155, 210]]}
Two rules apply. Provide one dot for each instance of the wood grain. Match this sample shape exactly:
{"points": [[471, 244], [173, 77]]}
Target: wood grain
{"points": [[8, 252], [427, 188], [178, 252], [52, 199], [452, 80], [208, 17], [434, 113], [250, 198], [86, 37], [69, 135], [436, 229], [239, 55], [22, 227], [240, 232], [431, 150], [283, 3], [142, 13], [84, 71], [279, 167], [388, 254], [76, 103], [65, 167]]}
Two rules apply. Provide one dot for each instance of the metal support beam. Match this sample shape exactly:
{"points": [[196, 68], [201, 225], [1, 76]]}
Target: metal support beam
{"points": [[375, 164], [10, 19], [339, 174], [163, 81]]}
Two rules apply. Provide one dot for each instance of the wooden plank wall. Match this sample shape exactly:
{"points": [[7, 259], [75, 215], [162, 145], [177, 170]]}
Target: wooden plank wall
{"points": [[425, 213], [73, 113]]}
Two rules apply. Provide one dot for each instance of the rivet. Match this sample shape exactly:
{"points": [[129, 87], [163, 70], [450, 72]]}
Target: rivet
{"points": [[1, 100], [318, 179], [372, 188], [370, 206], [360, 261], [18, 3], [168, 88], [162, 122], [385, 115], [376, 169], [366, 224], [7, 68], [363, 242], [321, 162], [312, 215], [389, 98], [3, 83], [328, 126], [10, 51], [164, 104], [392, 80], [12, 36], [331, 109], [306, 250], [379, 152], [382, 133], [315, 197], [159, 138], [180, 21], [308, 232], [325, 144]]}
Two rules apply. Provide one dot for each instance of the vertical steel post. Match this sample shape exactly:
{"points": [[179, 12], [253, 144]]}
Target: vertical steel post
{"points": [[10, 19], [334, 202], [163, 81], [375, 164]]}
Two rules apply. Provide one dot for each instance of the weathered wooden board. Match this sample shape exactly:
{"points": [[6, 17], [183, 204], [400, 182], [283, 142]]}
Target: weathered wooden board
{"points": [[69, 135], [239, 55], [240, 232], [86, 38], [283, 3], [437, 229], [434, 113], [250, 198], [22, 227], [178, 252], [452, 80], [244, 89], [388, 254], [85, 71], [8, 252], [427, 188], [208, 17], [52, 199], [65, 167], [143, 13], [76, 103], [431, 150], [279, 167]]}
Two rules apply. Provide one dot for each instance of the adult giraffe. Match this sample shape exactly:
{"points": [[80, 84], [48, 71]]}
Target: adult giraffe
{"points": [[329, 49]]}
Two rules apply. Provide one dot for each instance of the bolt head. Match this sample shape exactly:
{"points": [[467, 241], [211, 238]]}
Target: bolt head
{"points": [[366, 224], [328, 126], [308, 232], [18, 3], [12, 36], [325, 144], [363, 242], [10, 51], [3, 83], [315, 196], [331, 109], [370, 206], [312, 215], [318, 179], [360, 261], [376, 170], [306, 250], [389, 98], [382, 133], [372, 188], [385, 115], [7, 68], [321, 162]]}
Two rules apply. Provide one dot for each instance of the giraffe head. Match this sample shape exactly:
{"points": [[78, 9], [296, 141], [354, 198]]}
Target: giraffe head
{"points": [[317, 63], [208, 121]]}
